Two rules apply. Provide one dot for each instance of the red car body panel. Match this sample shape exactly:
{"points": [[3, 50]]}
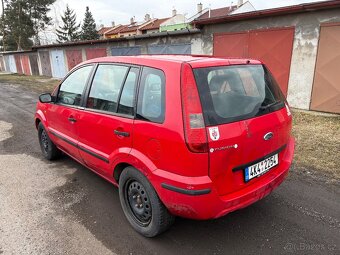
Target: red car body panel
{"points": [[192, 185]]}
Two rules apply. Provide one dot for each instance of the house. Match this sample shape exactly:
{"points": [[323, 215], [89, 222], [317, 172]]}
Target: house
{"points": [[102, 31], [176, 22], [113, 32], [219, 12], [153, 26]]}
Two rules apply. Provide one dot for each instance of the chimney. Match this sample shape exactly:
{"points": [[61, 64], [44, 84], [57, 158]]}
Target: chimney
{"points": [[132, 20], [147, 17], [174, 12], [199, 7], [113, 24], [239, 3]]}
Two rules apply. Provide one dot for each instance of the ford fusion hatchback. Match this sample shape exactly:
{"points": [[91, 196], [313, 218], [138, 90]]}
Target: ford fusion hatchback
{"points": [[196, 137]]}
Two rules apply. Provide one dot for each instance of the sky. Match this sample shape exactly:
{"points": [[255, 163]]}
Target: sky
{"points": [[120, 11]]}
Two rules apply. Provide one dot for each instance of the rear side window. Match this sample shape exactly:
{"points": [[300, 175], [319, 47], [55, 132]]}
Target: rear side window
{"points": [[233, 93], [72, 88], [127, 98], [106, 87], [151, 96]]}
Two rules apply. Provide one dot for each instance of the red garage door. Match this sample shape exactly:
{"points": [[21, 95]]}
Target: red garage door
{"points": [[18, 63], [231, 45], [74, 57], [95, 53], [273, 47], [25, 64]]}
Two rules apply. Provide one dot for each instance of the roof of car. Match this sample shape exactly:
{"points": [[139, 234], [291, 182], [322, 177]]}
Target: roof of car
{"points": [[195, 61]]}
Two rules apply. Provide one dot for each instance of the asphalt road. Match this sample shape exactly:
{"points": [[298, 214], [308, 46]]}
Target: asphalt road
{"points": [[63, 208]]}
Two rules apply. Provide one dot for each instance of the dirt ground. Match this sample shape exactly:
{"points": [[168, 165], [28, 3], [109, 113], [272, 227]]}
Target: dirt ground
{"points": [[38, 84], [317, 142]]}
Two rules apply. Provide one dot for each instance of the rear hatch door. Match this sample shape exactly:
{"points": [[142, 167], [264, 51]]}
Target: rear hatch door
{"points": [[247, 123]]}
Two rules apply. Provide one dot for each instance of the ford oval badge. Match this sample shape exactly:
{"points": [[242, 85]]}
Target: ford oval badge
{"points": [[268, 136]]}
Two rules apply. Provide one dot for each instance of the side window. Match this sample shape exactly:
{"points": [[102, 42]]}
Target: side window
{"points": [[151, 96], [126, 102], [106, 86], [72, 88]]}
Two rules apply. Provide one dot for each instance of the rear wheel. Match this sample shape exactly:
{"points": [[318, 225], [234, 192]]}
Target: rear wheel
{"points": [[48, 148], [141, 204]]}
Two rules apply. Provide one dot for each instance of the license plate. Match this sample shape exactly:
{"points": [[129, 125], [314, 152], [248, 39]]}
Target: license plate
{"points": [[261, 167]]}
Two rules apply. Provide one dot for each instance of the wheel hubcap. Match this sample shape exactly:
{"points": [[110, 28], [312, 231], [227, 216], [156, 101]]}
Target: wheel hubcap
{"points": [[139, 202], [44, 140]]}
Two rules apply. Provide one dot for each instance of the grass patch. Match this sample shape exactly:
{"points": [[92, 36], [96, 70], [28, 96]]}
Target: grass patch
{"points": [[39, 84], [317, 142]]}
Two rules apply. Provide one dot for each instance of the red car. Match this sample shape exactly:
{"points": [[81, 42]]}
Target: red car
{"points": [[191, 136]]}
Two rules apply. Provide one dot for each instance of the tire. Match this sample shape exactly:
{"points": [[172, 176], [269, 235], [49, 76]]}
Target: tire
{"points": [[48, 148], [141, 204]]}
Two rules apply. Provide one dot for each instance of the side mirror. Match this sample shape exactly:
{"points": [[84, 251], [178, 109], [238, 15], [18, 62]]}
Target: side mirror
{"points": [[45, 98]]}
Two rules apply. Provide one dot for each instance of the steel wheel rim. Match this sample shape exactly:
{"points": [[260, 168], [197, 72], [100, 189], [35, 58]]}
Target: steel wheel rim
{"points": [[44, 141], [138, 202]]}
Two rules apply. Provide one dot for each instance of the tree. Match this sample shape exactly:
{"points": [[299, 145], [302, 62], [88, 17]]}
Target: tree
{"points": [[38, 10], [2, 25], [21, 21], [70, 29], [18, 25], [88, 29]]}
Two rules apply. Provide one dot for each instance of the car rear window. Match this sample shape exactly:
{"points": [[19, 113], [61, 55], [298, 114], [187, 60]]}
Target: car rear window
{"points": [[233, 93]]}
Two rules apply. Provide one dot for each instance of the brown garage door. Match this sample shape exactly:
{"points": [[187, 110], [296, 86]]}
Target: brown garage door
{"points": [[34, 63], [74, 57], [273, 47], [45, 63], [326, 87]]}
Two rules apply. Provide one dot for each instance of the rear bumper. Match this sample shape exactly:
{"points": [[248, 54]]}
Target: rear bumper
{"points": [[197, 198]]}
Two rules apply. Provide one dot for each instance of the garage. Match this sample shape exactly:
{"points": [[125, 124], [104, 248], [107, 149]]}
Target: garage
{"points": [[326, 86], [126, 51], [18, 63], [45, 63], [170, 49], [95, 53], [25, 64], [12, 65], [74, 57], [272, 46], [58, 63], [33, 57]]}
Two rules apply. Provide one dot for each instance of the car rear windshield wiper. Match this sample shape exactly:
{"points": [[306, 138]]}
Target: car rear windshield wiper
{"points": [[264, 107]]}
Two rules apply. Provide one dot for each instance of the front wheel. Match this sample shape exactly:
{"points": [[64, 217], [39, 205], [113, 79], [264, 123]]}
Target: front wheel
{"points": [[141, 204]]}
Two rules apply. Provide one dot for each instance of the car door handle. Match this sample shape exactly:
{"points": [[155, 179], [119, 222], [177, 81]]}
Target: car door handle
{"points": [[71, 119], [121, 133]]}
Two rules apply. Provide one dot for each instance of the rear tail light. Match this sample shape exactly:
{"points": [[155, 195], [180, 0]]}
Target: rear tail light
{"points": [[194, 127]]}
